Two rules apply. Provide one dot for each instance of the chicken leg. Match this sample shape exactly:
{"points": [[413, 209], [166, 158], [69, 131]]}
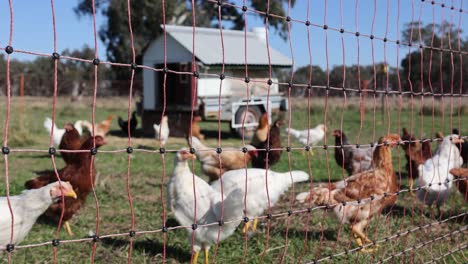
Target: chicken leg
{"points": [[246, 228], [197, 253], [207, 251], [66, 225], [311, 152], [195, 257], [254, 228], [411, 184]]}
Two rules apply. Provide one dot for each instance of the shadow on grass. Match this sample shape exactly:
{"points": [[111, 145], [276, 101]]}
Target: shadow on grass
{"points": [[146, 147], [35, 156], [151, 247], [138, 133], [328, 234], [214, 134]]}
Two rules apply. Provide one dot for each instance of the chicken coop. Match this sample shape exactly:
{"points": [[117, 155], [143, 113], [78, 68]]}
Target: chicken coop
{"points": [[208, 53]]}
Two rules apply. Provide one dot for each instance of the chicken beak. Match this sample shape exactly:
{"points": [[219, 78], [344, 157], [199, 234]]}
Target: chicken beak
{"points": [[70, 193]]}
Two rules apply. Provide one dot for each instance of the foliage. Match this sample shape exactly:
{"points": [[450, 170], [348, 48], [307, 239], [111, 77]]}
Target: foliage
{"points": [[74, 77], [438, 73], [441, 71], [146, 18]]}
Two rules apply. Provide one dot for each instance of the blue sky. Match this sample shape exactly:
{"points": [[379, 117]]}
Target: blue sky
{"points": [[33, 28]]}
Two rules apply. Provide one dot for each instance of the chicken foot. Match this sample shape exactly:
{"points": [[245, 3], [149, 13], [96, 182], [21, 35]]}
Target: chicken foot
{"points": [[67, 227], [362, 239]]}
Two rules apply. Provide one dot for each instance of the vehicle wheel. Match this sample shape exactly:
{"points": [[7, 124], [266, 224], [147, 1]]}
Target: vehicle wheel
{"points": [[251, 116]]}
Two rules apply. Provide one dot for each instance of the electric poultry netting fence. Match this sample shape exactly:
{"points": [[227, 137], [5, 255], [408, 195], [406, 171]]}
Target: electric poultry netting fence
{"points": [[384, 217]]}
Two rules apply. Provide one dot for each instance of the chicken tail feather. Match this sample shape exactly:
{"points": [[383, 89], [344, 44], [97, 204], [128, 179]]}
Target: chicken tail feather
{"points": [[196, 143], [303, 197], [48, 124], [233, 205], [299, 176], [293, 132]]}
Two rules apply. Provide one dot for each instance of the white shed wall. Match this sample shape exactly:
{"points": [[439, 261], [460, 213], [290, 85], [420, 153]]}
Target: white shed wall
{"points": [[155, 55]]}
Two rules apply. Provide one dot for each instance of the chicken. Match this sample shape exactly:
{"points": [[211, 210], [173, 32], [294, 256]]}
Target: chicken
{"points": [[439, 136], [344, 155], [230, 160], [162, 131], [461, 174], [463, 147], [351, 158], [209, 207], [27, 207], [124, 124], [257, 199], [78, 125], [434, 179], [58, 133], [311, 136], [261, 133], [77, 172], [196, 131], [376, 183], [101, 129], [275, 143], [71, 140], [416, 154]]}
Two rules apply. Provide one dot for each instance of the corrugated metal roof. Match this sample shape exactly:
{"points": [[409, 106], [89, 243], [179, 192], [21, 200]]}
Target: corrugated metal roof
{"points": [[208, 48]]}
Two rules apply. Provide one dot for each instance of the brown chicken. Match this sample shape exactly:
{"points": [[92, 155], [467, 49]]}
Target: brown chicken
{"points": [[374, 183], [461, 174], [196, 131], [261, 133], [351, 158], [275, 143], [102, 128], [77, 172], [416, 154], [407, 136], [71, 140], [230, 160]]}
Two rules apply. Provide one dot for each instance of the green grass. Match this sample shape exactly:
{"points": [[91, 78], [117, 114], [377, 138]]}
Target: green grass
{"points": [[325, 235]]}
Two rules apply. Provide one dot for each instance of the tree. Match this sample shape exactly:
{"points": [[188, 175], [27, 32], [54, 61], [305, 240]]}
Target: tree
{"points": [[434, 65], [147, 16], [305, 75]]}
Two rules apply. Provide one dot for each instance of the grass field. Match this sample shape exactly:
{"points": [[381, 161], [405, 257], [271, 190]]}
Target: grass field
{"points": [[287, 235]]}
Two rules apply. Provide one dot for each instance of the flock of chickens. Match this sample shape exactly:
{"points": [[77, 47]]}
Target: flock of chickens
{"points": [[236, 193]]}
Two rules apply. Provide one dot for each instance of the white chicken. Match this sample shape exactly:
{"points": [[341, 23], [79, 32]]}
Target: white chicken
{"points": [[58, 132], [257, 199], [209, 206], [163, 127], [27, 207], [311, 136], [434, 178]]}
